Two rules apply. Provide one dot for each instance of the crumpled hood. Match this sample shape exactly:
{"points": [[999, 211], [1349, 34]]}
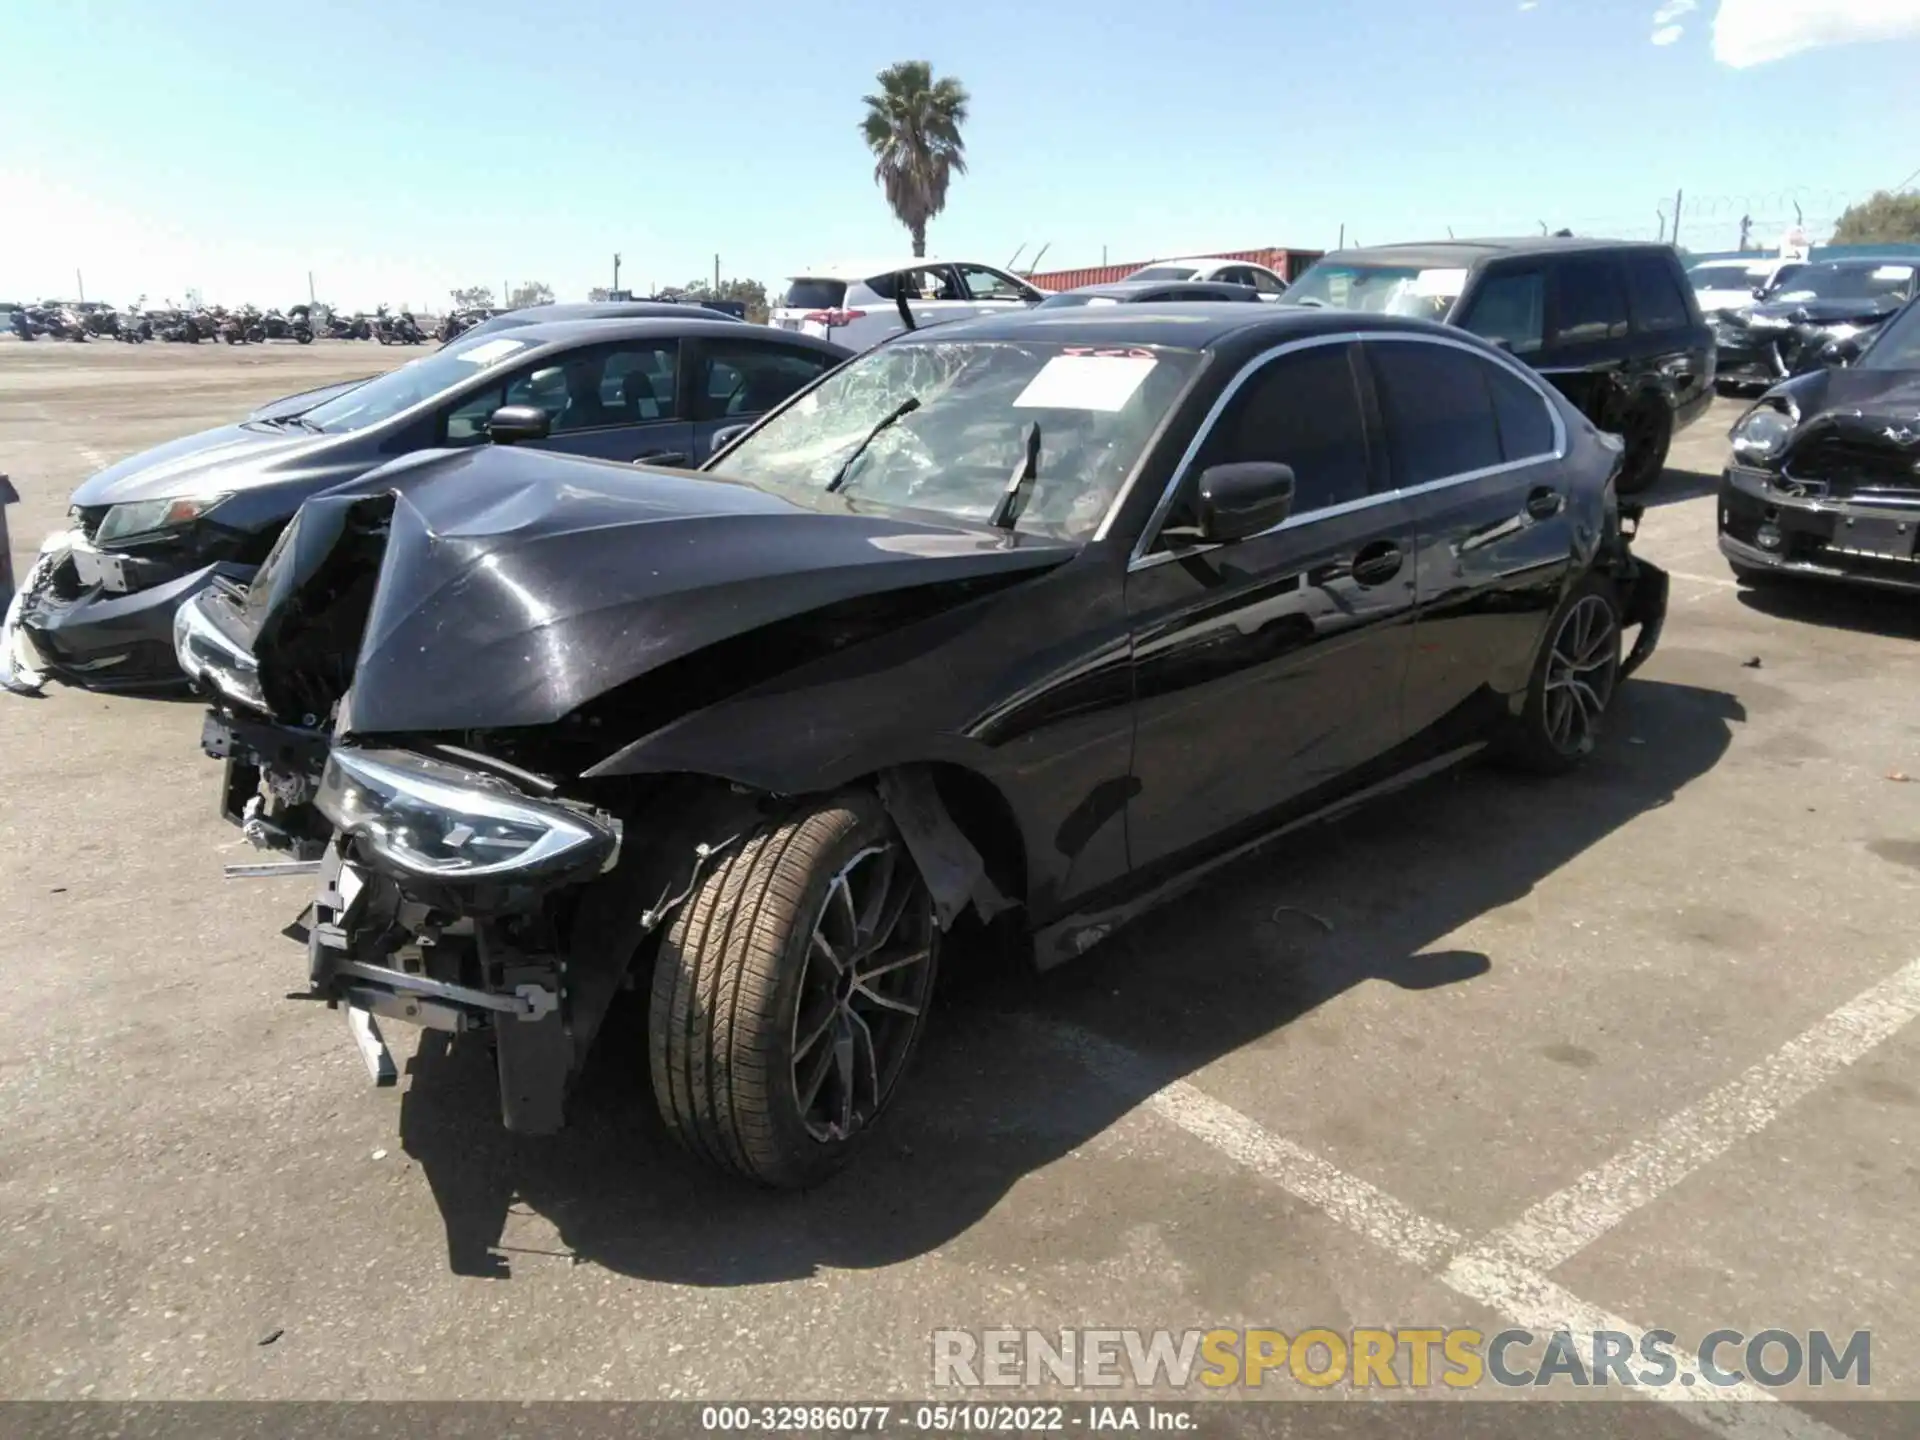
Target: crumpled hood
{"points": [[228, 457], [1883, 403], [516, 585]]}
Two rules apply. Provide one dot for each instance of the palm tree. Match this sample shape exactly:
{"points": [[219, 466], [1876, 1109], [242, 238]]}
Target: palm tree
{"points": [[913, 128]]}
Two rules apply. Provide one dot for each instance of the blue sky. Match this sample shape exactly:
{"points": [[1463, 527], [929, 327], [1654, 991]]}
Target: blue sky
{"points": [[400, 148]]}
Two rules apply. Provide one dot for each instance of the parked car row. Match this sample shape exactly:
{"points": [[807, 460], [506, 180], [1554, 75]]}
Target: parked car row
{"points": [[1797, 316]]}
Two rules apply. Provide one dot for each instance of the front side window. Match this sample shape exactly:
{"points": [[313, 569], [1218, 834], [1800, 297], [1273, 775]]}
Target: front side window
{"points": [[934, 282], [1438, 411], [1510, 308], [981, 283], [1589, 302], [1655, 293], [604, 387], [1301, 410], [751, 379], [944, 425], [1897, 346]]}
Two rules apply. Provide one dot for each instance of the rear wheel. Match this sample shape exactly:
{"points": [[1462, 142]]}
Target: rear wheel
{"points": [[789, 992], [1573, 682], [1648, 433]]}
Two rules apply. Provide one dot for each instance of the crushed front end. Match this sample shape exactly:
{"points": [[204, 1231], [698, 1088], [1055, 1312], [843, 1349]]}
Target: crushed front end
{"points": [[1833, 495]]}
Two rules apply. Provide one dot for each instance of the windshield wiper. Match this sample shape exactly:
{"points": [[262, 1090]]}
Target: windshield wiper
{"points": [[1020, 484], [280, 422], [905, 407]]}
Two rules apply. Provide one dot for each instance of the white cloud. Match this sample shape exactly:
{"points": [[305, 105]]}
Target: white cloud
{"points": [[1529, 4], [1673, 10], [1753, 32], [1667, 34]]}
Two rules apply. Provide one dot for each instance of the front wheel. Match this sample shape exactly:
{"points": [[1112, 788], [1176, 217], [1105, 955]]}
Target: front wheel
{"points": [[1572, 684], [789, 992]]}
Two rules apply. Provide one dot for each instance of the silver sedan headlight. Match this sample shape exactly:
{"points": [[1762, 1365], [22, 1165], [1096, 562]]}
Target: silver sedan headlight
{"points": [[153, 517], [437, 821]]}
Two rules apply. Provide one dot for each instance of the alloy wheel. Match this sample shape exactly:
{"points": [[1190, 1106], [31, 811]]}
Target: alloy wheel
{"points": [[1581, 670], [866, 981]]}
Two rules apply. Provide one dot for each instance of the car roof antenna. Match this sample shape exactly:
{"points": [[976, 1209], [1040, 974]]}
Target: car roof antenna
{"points": [[1020, 484]]}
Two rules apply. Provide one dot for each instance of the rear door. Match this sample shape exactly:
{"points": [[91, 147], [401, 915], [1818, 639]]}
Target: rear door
{"points": [[1269, 671], [1675, 352], [1474, 447], [739, 380], [1589, 339]]}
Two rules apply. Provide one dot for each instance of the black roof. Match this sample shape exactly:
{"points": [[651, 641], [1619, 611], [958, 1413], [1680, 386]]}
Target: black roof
{"points": [[1192, 326], [1465, 254]]}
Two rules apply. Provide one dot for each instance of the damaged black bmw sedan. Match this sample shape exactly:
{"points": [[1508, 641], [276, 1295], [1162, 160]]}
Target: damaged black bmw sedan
{"points": [[1024, 622], [1824, 481]]}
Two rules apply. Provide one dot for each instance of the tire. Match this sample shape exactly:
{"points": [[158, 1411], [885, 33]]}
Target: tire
{"points": [[1546, 739], [750, 1006], [1648, 432]]}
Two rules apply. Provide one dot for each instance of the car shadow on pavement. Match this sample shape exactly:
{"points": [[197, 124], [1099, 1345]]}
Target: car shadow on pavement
{"points": [[997, 1091], [1836, 606], [1677, 485]]}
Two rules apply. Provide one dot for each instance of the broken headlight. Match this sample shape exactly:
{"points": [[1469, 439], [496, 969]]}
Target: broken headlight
{"points": [[152, 517], [1762, 433], [438, 821]]}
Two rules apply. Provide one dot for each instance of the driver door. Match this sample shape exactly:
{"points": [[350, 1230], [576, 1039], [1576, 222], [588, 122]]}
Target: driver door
{"points": [[1268, 671]]}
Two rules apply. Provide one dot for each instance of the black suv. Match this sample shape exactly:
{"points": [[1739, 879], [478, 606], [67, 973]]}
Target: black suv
{"points": [[1612, 323]]}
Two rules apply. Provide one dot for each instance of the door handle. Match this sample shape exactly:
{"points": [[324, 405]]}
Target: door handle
{"points": [[1377, 563], [661, 457], [1543, 502]]}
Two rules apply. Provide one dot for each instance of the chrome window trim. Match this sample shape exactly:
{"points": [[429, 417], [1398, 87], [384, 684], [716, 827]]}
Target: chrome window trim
{"points": [[1141, 559]]}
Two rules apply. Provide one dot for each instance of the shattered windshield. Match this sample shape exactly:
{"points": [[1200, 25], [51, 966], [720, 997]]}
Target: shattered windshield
{"points": [[945, 425], [387, 395], [1869, 281], [1422, 292]]}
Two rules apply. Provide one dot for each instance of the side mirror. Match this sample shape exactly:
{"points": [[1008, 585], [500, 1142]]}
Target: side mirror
{"points": [[726, 435], [511, 424], [1235, 501], [1759, 292]]}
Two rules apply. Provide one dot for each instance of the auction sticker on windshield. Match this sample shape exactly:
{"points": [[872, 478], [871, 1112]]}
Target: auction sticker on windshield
{"points": [[1086, 382]]}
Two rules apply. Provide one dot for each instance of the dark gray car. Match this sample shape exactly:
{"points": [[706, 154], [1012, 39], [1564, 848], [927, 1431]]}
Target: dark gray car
{"points": [[160, 526]]}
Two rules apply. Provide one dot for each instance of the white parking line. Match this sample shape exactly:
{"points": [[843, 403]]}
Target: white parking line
{"points": [[1565, 1223], [1517, 1292], [1724, 582], [92, 456]]}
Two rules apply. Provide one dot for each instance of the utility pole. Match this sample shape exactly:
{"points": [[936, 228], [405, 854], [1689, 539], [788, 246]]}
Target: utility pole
{"points": [[81, 285], [616, 269], [1342, 244], [1103, 256], [311, 302], [1678, 196], [716, 277], [1746, 230]]}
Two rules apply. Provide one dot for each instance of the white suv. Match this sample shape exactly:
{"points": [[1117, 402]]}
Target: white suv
{"points": [[1265, 282], [857, 305]]}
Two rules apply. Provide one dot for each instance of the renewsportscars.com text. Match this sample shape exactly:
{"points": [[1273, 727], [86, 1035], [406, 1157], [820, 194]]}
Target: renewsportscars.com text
{"points": [[1404, 1358]]}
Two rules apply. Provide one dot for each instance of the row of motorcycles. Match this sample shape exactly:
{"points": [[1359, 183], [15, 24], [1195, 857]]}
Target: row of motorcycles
{"points": [[244, 326]]}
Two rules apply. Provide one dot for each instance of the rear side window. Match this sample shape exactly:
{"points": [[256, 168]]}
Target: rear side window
{"points": [[1526, 426], [1510, 308], [1438, 411], [1301, 410], [814, 295], [1655, 290], [1589, 303]]}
